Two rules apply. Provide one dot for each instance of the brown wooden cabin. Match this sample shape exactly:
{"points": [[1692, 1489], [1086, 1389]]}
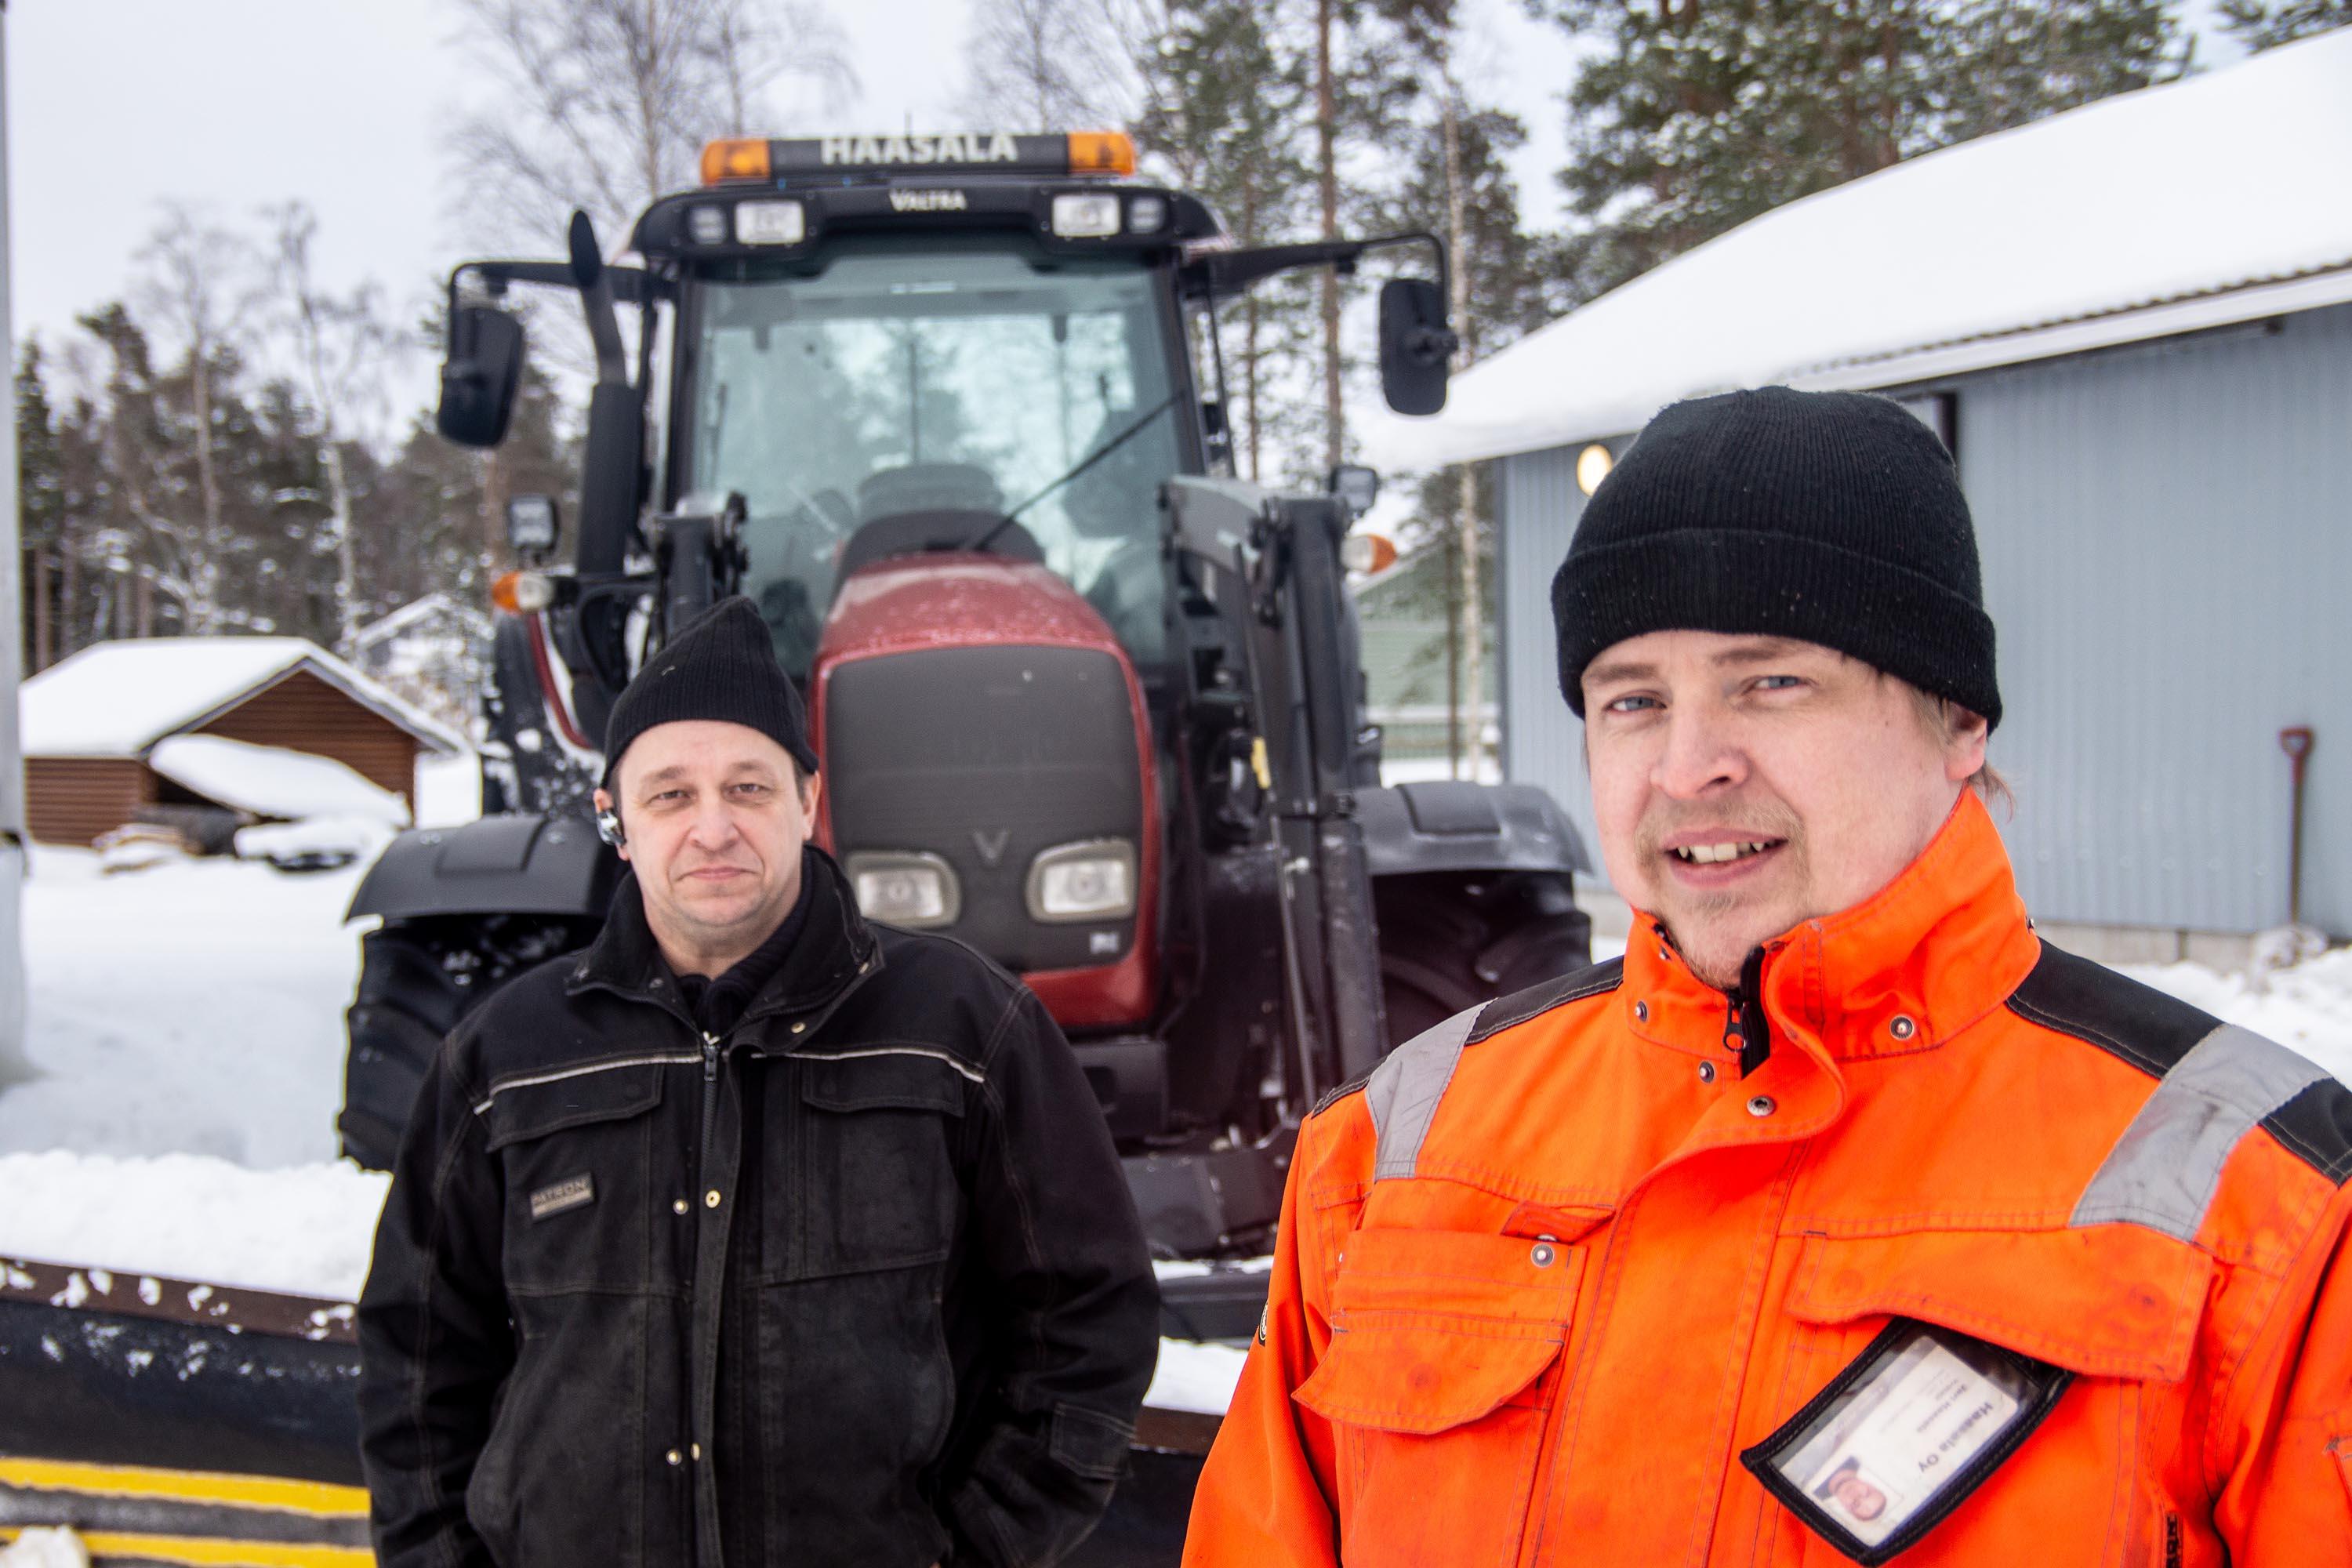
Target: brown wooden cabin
{"points": [[89, 721]]}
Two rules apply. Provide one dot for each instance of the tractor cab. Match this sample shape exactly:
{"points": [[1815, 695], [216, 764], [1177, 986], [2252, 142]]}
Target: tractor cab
{"points": [[950, 410]]}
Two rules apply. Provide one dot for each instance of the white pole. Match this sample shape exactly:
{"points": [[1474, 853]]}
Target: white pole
{"points": [[13, 1064]]}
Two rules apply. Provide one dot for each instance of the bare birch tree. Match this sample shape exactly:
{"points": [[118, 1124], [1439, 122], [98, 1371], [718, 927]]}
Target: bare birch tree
{"points": [[607, 103], [198, 292], [342, 349], [1042, 66]]}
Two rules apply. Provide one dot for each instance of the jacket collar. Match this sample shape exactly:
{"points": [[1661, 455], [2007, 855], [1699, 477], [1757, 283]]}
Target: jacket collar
{"points": [[1934, 950], [835, 947]]}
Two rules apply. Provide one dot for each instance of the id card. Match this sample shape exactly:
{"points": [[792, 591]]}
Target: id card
{"points": [[1900, 1439]]}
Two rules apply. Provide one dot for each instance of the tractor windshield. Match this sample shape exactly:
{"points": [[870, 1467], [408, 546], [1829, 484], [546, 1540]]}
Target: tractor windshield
{"points": [[923, 398]]}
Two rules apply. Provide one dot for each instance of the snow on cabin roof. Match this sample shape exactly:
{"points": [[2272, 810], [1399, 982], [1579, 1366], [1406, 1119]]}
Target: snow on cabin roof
{"points": [[2216, 199], [117, 698]]}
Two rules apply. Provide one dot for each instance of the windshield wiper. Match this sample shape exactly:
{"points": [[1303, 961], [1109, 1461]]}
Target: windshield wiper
{"points": [[1083, 464]]}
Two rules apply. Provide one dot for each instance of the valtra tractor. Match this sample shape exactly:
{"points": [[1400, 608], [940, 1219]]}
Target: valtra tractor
{"points": [[950, 410]]}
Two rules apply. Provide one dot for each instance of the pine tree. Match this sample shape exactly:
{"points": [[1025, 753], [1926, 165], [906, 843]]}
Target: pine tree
{"points": [[1694, 116], [41, 505], [2266, 24], [1457, 179], [1227, 109]]}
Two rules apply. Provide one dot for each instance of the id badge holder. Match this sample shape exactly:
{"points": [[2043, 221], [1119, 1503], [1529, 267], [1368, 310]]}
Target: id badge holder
{"points": [[1901, 1437]]}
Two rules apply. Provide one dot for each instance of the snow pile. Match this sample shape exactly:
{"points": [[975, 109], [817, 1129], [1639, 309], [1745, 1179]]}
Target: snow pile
{"points": [[2178, 193], [270, 781], [1195, 1377], [45, 1546], [2307, 1008], [139, 846], [305, 1231], [448, 789], [315, 843]]}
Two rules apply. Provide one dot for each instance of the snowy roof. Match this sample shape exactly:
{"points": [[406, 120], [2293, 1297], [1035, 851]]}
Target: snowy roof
{"points": [[2216, 199], [431, 607], [270, 781], [117, 698]]}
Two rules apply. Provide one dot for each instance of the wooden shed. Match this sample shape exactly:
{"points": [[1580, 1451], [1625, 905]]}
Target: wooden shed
{"points": [[90, 722]]}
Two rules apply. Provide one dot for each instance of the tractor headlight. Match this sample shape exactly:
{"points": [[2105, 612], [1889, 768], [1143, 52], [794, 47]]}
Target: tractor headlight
{"points": [[1086, 217], [1090, 881], [905, 888], [769, 223]]}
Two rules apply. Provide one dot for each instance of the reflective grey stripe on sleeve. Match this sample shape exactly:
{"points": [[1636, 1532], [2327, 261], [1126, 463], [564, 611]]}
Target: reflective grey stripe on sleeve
{"points": [[2164, 1169], [1404, 1091]]}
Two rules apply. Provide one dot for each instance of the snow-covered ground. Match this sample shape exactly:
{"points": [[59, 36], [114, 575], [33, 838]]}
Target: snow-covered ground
{"points": [[185, 1024], [193, 1008]]}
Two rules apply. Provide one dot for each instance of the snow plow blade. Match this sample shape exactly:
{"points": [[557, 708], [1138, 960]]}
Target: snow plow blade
{"points": [[171, 1422]]}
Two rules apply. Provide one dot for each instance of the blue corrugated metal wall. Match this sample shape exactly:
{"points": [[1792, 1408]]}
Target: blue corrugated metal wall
{"points": [[2167, 533], [1542, 741]]}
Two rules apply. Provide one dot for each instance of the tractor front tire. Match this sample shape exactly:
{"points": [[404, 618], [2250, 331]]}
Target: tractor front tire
{"points": [[1450, 941], [418, 980]]}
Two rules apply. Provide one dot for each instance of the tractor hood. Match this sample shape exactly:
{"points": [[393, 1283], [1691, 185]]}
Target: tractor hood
{"points": [[989, 774]]}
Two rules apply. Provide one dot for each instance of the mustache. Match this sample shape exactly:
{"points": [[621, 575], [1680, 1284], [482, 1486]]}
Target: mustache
{"points": [[1763, 819]]}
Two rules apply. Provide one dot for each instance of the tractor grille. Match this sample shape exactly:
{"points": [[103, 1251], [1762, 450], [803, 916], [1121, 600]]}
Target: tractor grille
{"points": [[985, 756]]}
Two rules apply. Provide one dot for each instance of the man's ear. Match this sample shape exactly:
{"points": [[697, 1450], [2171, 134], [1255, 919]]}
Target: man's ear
{"points": [[1964, 746], [608, 822], [811, 786]]}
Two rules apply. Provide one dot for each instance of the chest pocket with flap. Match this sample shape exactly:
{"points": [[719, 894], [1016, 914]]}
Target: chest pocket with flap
{"points": [[2118, 1305], [1439, 1377], [876, 1185], [574, 1146]]}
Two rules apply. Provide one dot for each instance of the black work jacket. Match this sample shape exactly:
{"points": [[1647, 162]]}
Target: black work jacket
{"points": [[858, 1281]]}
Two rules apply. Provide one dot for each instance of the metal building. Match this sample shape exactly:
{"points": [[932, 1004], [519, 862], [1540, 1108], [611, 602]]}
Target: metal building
{"points": [[2133, 324]]}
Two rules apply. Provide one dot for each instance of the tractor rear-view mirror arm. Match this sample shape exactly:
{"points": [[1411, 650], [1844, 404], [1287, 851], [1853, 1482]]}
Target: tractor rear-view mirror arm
{"points": [[631, 285], [1222, 272]]}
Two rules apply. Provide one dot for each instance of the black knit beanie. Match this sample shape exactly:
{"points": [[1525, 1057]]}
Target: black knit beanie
{"points": [[723, 666], [1831, 517]]}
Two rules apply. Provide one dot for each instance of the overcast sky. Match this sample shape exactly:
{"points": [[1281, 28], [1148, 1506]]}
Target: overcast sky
{"points": [[116, 107]]}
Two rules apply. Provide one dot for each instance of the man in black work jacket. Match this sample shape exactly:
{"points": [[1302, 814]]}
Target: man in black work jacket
{"points": [[753, 1234]]}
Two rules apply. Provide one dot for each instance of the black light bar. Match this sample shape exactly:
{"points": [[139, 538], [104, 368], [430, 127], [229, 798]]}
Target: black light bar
{"points": [[1078, 152]]}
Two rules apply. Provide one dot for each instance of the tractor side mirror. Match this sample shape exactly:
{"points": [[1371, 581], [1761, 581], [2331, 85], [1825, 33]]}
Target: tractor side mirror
{"points": [[1416, 345], [479, 376], [533, 525]]}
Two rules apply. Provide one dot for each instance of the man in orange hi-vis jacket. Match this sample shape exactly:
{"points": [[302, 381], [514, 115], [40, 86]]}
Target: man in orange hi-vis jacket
{"points": [[1842, 1218]]}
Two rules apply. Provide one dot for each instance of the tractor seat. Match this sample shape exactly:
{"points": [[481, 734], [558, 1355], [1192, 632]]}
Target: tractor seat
{"points": [[928, 487], [922, 533]]}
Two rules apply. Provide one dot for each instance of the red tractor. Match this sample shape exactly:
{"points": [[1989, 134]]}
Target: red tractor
{"points": [[951, 411]]}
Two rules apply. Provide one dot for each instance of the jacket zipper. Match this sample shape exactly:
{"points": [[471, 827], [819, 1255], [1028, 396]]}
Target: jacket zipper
{"points": [[709, 1103], [1744, 1021]]}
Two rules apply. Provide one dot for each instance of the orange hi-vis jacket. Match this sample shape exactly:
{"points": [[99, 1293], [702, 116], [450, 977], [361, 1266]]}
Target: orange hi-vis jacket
{"points": [[1545, 1277]]}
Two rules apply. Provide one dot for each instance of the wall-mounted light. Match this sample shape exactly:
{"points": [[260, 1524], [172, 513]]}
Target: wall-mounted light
{"points": [[1592, 466]]}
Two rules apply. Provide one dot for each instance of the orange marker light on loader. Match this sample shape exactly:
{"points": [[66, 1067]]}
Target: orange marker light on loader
{"points": [[1101, 152], [1368, 552], [521, 593], [735, 158]]}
